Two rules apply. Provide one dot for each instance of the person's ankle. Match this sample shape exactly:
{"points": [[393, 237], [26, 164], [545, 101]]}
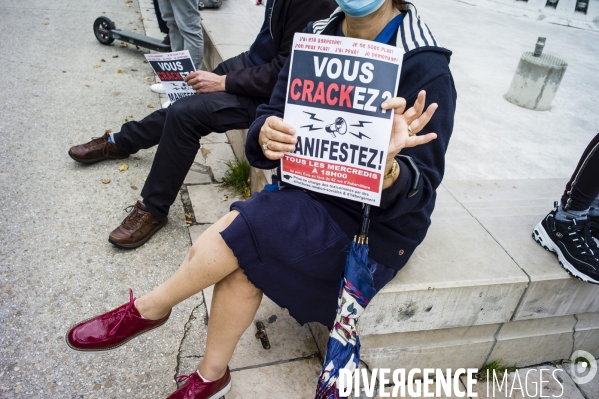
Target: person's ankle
{"points": [[211, 373], [148, 312], [566, 215]]}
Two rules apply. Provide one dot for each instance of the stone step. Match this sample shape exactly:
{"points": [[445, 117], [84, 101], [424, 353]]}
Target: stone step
{"points": [[509, 210], [516, 343], [478, 289], [479, 265]]}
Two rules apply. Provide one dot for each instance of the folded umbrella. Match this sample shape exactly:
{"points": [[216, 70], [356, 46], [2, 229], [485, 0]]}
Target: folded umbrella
{"points": [[356, 290]]}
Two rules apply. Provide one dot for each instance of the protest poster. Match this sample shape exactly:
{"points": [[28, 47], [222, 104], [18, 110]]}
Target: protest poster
{"points": [[335, 90], [172, 68]]}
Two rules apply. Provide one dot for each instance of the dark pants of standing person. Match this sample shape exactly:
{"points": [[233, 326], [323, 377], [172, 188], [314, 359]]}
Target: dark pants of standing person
{"points": [[583, 188], [178, 129], [161, 23]]}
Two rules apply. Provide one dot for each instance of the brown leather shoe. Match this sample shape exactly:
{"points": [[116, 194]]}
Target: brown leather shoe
{"points": [[137, 228], [98, 149]]}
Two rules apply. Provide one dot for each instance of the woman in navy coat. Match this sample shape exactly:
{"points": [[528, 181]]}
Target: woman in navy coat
{"points": [[291, 244]]}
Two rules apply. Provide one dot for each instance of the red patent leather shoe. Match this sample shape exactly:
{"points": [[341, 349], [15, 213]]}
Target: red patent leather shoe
{"points": [[111, 329], [196, 388]]}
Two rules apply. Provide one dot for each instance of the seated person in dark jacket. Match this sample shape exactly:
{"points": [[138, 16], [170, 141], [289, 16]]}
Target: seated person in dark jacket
{"points": [[228, 98], [291, 244]]}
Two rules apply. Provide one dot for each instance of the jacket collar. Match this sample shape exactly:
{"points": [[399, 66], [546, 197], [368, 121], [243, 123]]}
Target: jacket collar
{"points": [[412, 34]]}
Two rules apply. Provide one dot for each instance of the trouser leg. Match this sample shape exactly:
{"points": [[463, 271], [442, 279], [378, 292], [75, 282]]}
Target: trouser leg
{"points": [[187, 19], [187, 120], [161, 22], [140, 135], [583, 187], [166, 9]]}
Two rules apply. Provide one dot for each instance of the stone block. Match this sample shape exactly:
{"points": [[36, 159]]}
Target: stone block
{"points": [[536, 81], [415, 388], [195, 177], [226, 51], [526, 383], [258, 180], [528, 342], [288, 340], [453, 348], [589, 389], [215, 138], [237, 140], [459, 276], [509, 210], [196, 230], [223, 30], [209, 53], [217, 157], [207, 202], [586, 336], [292, 380]]}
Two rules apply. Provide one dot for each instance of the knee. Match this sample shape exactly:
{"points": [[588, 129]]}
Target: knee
{"points": [[216, 228], [238, 283], [190, 107]]}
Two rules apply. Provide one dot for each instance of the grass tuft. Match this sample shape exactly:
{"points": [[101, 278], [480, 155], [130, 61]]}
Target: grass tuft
{"points": [[238, 177], [497, 367]]}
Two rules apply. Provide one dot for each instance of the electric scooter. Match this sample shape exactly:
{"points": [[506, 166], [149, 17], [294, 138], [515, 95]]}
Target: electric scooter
{"points": [[106, 32]]}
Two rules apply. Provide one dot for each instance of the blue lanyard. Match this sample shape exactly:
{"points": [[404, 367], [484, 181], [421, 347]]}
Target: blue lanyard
{"points": [[387, 33]]}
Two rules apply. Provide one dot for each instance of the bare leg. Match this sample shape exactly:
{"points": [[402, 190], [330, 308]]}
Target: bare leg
{"points": [[208, 261], [234, 305]]}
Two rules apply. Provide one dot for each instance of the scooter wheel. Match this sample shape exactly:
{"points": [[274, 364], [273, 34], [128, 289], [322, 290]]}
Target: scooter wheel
{"points": [[104, 24]]}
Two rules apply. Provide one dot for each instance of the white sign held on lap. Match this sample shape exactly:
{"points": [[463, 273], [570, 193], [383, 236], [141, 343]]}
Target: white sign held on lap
{"points": [[335, 90], [172, 68]]}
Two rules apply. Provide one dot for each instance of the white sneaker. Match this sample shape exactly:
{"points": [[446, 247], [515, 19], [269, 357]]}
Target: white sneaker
{"points": [[158, 88], [166, 104]]}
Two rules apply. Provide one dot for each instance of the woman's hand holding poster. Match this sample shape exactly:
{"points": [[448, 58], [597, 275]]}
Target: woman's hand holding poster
{"points": [[334, 96]]}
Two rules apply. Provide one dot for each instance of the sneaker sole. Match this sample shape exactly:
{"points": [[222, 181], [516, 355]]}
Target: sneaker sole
{"points": [[542, 238], [94, 160], [139, 243], [66, 338], [222, 392]]}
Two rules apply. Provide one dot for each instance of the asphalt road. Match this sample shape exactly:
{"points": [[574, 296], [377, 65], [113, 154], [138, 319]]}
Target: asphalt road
{"points": [[60, 87]]}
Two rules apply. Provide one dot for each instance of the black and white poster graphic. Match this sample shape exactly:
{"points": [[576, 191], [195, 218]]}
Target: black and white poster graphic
{"points": [[334, 95], [172, 68]]}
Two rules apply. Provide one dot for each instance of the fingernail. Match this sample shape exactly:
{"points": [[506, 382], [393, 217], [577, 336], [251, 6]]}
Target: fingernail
{"points": [[384, 105]]}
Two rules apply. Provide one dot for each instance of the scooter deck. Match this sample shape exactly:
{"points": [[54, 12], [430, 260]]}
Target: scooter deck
{"points": [[139, 40]]}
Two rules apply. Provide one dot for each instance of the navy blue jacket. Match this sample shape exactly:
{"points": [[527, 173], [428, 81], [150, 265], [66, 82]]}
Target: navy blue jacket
{"points": [[400, 223], [282, 19]]}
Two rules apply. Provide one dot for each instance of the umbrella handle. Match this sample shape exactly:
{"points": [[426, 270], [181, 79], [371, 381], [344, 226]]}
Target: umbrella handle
{"points": [[362, 237]]}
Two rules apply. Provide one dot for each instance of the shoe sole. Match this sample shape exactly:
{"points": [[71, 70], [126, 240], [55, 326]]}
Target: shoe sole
{"points": [[542, 238], [139, 243], [222, 392], [94, 160], [66, 338]]}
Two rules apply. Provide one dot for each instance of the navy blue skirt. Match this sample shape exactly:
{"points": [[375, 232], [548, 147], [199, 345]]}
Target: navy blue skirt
{"points": [[290, 248]]}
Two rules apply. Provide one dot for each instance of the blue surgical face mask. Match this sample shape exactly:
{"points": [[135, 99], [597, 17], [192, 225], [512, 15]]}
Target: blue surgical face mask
{"points": [[359, 8]]}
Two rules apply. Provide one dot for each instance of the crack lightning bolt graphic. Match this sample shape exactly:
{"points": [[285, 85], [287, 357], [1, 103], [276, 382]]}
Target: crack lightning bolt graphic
{"points": [[311, 127], [361, 124], [312, 116], [360, 134]]}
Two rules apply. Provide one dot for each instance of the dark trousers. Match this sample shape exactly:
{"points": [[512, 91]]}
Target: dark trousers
{"points": [[583, 187], [178, 129], [161, 23]]}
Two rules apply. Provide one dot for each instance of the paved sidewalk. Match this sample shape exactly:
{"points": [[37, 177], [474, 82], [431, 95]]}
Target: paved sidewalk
{"points": [[61, 87]]}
